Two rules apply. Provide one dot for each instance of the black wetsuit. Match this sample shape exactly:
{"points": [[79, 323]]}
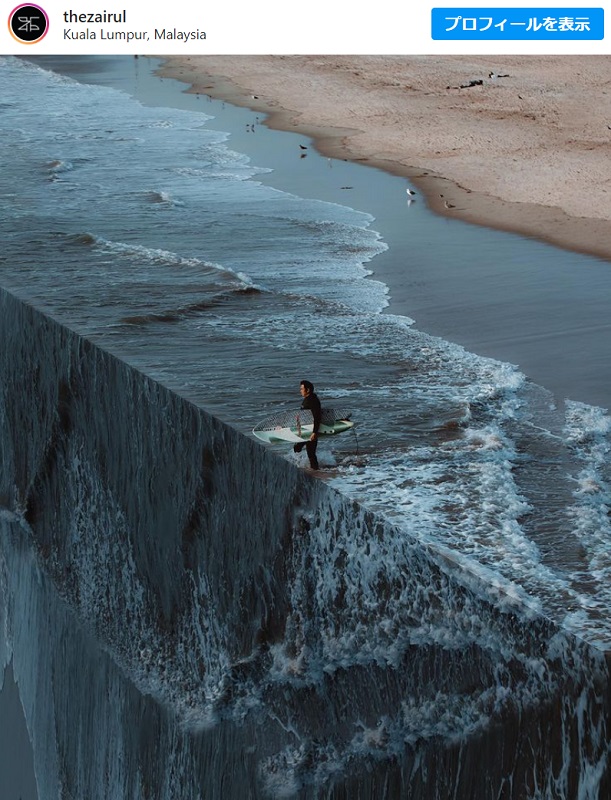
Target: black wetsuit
{"points": [[311, 403]]}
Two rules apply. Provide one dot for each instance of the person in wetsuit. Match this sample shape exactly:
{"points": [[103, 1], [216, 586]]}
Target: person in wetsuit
{"points": [[310, 403]]}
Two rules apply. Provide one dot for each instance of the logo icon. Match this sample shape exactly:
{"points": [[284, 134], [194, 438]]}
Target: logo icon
{"points": [[28, 23]]}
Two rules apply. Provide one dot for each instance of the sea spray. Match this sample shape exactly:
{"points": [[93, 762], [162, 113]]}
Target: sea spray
{"points": [[202, 583]]}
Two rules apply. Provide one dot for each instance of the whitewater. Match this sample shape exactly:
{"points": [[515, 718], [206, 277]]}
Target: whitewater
{"points": [[191, 614]]}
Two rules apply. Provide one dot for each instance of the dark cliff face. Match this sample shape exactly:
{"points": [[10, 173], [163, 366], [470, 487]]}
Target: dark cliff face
{"points": [[189, 615]]}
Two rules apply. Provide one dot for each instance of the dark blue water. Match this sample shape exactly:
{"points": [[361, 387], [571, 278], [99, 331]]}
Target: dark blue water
{"points": [[188, 613]]}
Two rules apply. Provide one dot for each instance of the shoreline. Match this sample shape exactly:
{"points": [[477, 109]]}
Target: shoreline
{"points": [[226, 79]]}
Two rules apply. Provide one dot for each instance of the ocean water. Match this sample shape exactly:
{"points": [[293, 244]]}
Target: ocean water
{"points": [[187, 612]]}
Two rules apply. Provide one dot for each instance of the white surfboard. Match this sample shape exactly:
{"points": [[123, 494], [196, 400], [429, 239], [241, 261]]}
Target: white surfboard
{"points": [[296, 426]]}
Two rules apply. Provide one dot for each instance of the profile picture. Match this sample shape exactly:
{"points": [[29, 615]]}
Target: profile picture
{"points": [[28, 23]]}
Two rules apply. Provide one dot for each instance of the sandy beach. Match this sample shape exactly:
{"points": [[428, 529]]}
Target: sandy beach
{"points": [[525, 149], [187, 612]]}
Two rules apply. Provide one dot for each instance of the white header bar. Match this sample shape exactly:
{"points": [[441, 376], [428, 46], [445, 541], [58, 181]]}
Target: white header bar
{"points": [[112, 27]]}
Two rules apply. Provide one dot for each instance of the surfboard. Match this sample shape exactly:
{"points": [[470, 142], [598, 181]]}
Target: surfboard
{"points": [[297, 425]]}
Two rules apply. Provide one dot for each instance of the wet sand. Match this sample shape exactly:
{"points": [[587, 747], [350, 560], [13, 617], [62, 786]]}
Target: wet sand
{"points": [[527, 150], [547, 312]]}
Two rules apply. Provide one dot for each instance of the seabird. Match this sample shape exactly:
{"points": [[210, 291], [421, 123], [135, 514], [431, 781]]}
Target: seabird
{"points": [[303, 147], [448, 205], [411, 192]]}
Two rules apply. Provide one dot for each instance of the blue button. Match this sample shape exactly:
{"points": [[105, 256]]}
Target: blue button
{"points": [[544, 24]]}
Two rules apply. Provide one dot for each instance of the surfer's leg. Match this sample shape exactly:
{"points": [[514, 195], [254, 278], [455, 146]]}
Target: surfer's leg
{"points": [[311, 451]]}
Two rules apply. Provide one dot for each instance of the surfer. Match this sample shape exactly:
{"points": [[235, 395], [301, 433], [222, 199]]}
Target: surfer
{"points": [[310, 403]]}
